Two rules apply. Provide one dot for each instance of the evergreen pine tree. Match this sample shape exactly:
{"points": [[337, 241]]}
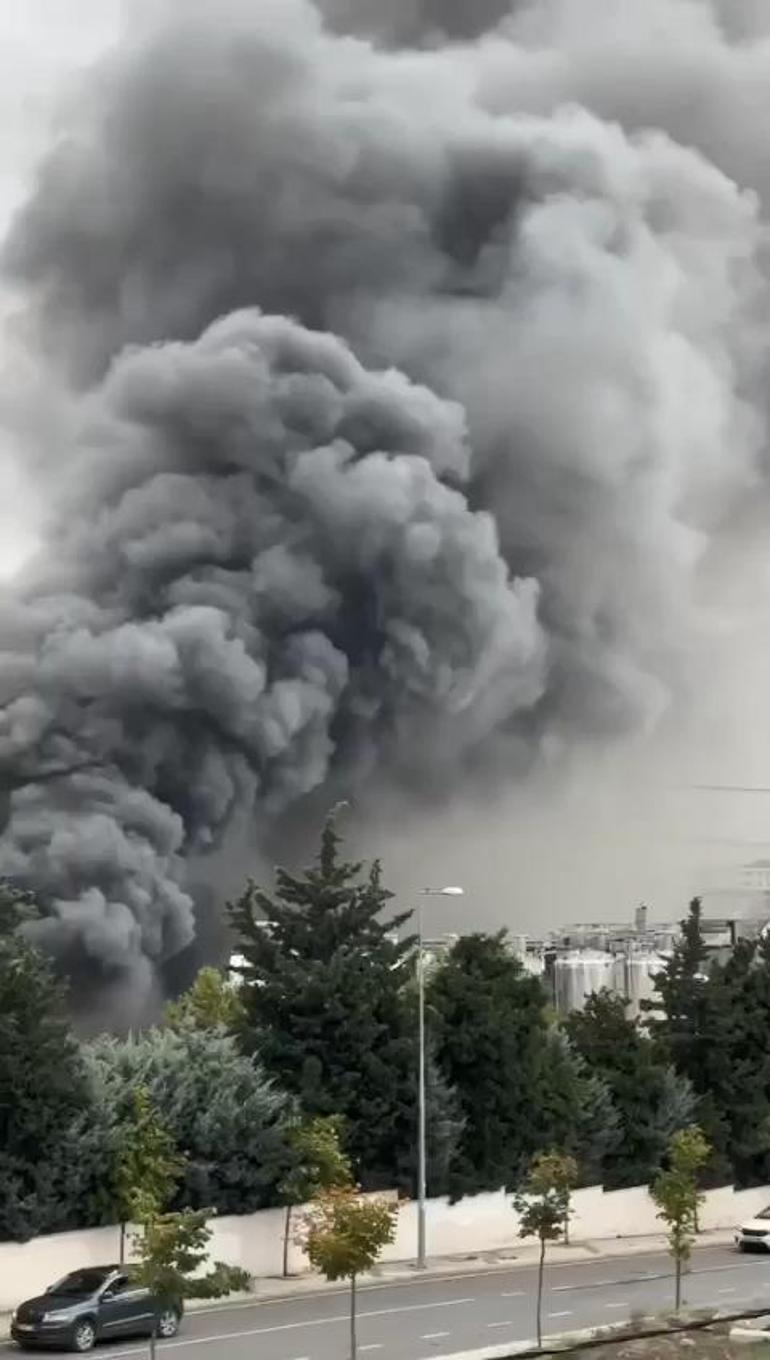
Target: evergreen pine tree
{"points": [[652, 1101], [488, 1018], [53, 1152], [713, 1026], [739, 1072], [681, 997], [576, 1111], [689, 1025], [329, 1007]]}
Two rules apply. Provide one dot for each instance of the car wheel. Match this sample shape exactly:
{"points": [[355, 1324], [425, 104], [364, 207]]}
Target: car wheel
{"points": [[167, 1324], [83, 1336]]}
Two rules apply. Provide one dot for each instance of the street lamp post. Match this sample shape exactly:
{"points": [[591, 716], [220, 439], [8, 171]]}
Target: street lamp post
{"points": [[421, 1110]]}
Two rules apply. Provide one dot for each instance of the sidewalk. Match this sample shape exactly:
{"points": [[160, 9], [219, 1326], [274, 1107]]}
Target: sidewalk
{"points": [[514, 1257], [509, 1258]]}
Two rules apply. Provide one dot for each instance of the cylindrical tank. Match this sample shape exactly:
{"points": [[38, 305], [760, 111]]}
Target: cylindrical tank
{"points": [[534, 964], [634, 976], [577, 975]]}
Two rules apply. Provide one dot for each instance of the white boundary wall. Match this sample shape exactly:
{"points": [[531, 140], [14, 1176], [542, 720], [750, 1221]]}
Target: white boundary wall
{"points": [[478, 1224]]}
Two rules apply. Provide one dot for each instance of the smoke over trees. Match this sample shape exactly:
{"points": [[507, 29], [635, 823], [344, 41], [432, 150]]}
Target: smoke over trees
{"points": [[415, 375]]}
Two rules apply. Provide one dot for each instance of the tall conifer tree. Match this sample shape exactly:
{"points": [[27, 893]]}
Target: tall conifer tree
{"points": [[329, 1007]]}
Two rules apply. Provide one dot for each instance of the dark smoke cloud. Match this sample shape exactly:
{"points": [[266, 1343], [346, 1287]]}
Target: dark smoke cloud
{"points": [[456, 511], [421, 22], [258, 564]]}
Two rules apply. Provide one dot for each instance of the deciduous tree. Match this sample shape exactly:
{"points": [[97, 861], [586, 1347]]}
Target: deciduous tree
{"points": [[319, 1164], [170, 1251], [147, 1164], [675, 1191], [542, 1203], [345, 1235], [212, 1002]]}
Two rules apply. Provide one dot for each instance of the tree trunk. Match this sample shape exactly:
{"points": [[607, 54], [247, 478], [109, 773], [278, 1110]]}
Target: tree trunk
{"points": [[678, 1285], [153, 1339], [540, 1272], [353, 1331], [122, 1244], [566, 1229], [286, 1232]]}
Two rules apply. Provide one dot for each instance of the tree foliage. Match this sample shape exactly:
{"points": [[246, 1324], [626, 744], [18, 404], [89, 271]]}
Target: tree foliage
{"points": [[328, 1005], [577, 1112], [487, 1017], [319, 1164], [211, 1002], [542, 1203], [651, 1100], [170, 1251], [519, 1082], [690, 1022], [222, 1112], [344, 1235], [147, 1162], [715, 1030], [675, 1191], [53, 1150]]}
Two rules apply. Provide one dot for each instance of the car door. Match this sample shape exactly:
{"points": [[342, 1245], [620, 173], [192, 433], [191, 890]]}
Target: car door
{"points": [[124, 1309]]}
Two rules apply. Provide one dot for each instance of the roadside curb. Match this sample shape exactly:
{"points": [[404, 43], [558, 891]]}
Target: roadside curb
{"points": [[748, 1336], [275, 1289], [647, 1327]]}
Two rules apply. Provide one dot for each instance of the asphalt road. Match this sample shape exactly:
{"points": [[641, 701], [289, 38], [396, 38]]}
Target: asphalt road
{"points": [[435, 1317]]}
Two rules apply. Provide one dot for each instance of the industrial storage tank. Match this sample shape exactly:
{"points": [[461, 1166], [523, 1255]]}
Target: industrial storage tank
{"points": [[530, 956], [576, 976], [634, 975]]}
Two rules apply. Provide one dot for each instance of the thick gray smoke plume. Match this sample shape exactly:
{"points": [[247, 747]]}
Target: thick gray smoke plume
{"points": [[421, 22], [259, 563], [457, 510]]}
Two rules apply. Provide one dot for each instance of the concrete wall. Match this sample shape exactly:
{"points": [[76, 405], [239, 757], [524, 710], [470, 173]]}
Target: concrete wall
{"points": [[483, 1223]]}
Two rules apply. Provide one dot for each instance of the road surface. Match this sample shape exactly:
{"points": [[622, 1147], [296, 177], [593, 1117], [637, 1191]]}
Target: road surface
{"points": [[434, 1317]]}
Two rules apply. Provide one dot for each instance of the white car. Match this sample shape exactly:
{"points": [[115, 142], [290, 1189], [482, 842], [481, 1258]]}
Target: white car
{"points": [[754, 1234]]}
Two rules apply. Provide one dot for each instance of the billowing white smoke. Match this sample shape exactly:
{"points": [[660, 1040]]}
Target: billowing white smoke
{"points": [[454, 509]]}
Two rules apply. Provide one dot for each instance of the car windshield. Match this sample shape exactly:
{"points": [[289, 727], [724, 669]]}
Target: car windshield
{"points": [[81, 1281], [765, 1213]]}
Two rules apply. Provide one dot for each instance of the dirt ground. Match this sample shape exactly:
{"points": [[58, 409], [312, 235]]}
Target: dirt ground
{"points": [[714, 1344]]}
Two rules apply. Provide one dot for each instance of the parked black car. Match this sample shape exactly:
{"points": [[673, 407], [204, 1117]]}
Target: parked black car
{"points": [[90, 1305]]}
